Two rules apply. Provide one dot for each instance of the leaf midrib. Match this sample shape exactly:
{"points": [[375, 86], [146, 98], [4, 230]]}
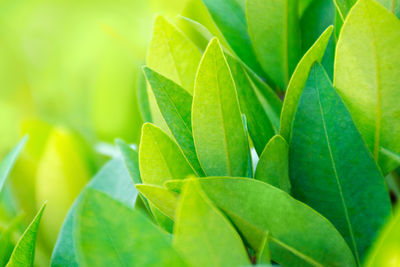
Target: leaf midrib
{"points": [[335, 171]]}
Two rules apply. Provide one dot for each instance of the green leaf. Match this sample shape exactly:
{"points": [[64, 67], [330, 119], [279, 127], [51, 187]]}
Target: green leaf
{"points": [[24, 251], [8, 162], [218, 132], [160, 158], [131, 160], [104, 239], [175, 105], [275, 34], [114, 180], [203, 234], [260, 126], [165, 200], [366, 76], [174, 56], [344, 6], [264, 255], [298, 80], [318, 16], [298, 235], [331, 168], [273, 166], [385, 249], [229, 16], [143, 98]]}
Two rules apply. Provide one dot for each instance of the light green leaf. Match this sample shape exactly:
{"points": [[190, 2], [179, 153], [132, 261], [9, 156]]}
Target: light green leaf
{"points": [[143, 98], [174, 56], [385, 249], [114, 180], [275, 34], [160, 158], [203, 234], [229, 16], [298, 235], [24, 251], [218, 132], [175, 105], [8, 162], [111, 234], [165, 200], [273, 166], [366, 76], [298, 80], [331, 168], [260, 126], [131, 160]]}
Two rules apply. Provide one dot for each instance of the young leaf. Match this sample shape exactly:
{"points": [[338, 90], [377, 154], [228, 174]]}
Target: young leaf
{"points": [[175, 105], [115, 181], [385, 249], [24, 251], [229, 16], [331, 169], [160, 158], [131, 160], [174, 56], [366, 76], [143, 98], [298, 80], [275, 34], [104, 239], [203, 235], [298, 236], [8, 162], [261, 128], [273, 166], [218, 132], [165, 200]]}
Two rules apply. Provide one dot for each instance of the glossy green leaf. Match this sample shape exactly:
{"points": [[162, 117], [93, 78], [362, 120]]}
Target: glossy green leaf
{"points": [[385, 250], [174, 56], [203, 234], [275, 34], [104, 239], [298, 235], [8, 162], [318, 16], [24, 251], [366, 76], [260, 126], [273, 166], [160, 158], [218, 132], [331, 168], [175, 105], [165, 200], [114, 180], [230, 17], [298, 80]]}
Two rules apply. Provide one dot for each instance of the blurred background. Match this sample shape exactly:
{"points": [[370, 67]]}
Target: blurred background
{"points": [[69, 78]]}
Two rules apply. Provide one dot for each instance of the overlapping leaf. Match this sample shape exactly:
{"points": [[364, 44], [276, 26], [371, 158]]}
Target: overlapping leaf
{"points": [[331, 168], [219, 136]]}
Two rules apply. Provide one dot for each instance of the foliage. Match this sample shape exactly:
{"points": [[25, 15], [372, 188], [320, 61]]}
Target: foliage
{"points": [[271, 136]]}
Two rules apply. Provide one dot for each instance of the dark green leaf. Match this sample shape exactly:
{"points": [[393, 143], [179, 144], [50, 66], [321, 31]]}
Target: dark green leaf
{"points": [[331, 168]]}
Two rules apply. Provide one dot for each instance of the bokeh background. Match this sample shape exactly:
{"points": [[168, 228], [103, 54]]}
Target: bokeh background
{"points": [[69, 77]]}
